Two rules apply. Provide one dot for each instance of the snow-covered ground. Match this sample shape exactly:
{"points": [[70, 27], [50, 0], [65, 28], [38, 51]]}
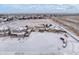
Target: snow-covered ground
{"points": [[37, 42]]}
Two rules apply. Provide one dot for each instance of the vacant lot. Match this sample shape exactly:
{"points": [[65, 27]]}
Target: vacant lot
{"points": [[71, 23]]}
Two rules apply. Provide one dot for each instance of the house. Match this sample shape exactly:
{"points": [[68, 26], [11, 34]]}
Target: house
{"points": [[4, 30], [18, 31], [3, 20]]}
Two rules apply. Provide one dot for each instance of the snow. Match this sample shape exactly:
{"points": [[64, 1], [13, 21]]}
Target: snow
{"points": [[44, 43], [37, 42]]}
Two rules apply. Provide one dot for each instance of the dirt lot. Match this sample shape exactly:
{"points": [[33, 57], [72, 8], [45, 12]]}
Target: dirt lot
{"points": [[69, 22]]}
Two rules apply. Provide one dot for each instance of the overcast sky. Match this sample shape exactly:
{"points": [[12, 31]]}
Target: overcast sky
{"points": [[38, 8]]}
